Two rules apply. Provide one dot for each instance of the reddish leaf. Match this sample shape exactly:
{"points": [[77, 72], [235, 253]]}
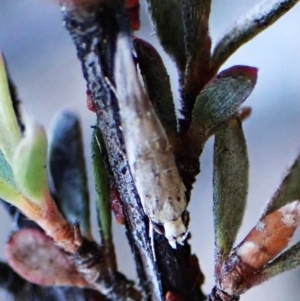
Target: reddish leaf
{"points": [[89, 101], [133, 9], [34, 256], [116, 205], [170, 296], [245, 113]]}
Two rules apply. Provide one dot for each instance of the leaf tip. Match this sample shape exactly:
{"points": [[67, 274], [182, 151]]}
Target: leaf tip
{"points": [[236, 71]]}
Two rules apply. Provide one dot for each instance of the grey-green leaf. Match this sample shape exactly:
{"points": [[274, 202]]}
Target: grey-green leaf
{"points": [[222, 96], [288, 190], [260, 17], [157, 83], [167, 18], [6, 171], [102, 189], [67, 169], [230, 183]]}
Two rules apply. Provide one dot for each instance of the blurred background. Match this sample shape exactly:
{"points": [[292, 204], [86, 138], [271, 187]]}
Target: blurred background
{"points": [[42, 63]]}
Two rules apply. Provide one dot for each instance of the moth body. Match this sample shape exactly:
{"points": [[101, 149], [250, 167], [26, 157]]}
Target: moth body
{"points": [[151, 160]]}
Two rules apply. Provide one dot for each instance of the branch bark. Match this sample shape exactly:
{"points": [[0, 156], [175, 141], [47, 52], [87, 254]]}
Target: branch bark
{"points": [[94, 31]]}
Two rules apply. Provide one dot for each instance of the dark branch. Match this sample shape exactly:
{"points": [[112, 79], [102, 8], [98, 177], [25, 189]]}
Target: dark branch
{"points": [[94, 33]]}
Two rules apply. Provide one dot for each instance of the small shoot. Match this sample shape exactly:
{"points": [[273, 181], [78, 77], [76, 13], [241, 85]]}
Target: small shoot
{"points": [[259, 256], [23, 175]]}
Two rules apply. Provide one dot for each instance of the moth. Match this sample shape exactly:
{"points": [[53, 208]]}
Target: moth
{"points": [[149, 153]]}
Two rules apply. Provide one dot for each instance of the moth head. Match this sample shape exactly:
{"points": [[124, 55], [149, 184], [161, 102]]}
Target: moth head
{"points": [[175, 232]]}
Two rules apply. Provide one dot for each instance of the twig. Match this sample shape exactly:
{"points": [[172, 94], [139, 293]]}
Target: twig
{"points": [[89, 28], [255, 21], [94, 32]]}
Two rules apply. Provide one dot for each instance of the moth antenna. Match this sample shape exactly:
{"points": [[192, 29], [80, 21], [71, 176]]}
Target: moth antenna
{"points": [[151, 236], [111, 86]]}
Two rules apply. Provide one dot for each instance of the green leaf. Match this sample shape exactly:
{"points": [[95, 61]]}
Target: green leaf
{"points": [[30, 163], [10, 193], [102, 189], [157, 83], [10, 134], [167, 18], [230, 182], [289, 189], [223, 95], [68, 171]]}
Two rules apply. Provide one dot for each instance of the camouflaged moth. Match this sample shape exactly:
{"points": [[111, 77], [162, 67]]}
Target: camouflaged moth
{"points": [[150, 157]]}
